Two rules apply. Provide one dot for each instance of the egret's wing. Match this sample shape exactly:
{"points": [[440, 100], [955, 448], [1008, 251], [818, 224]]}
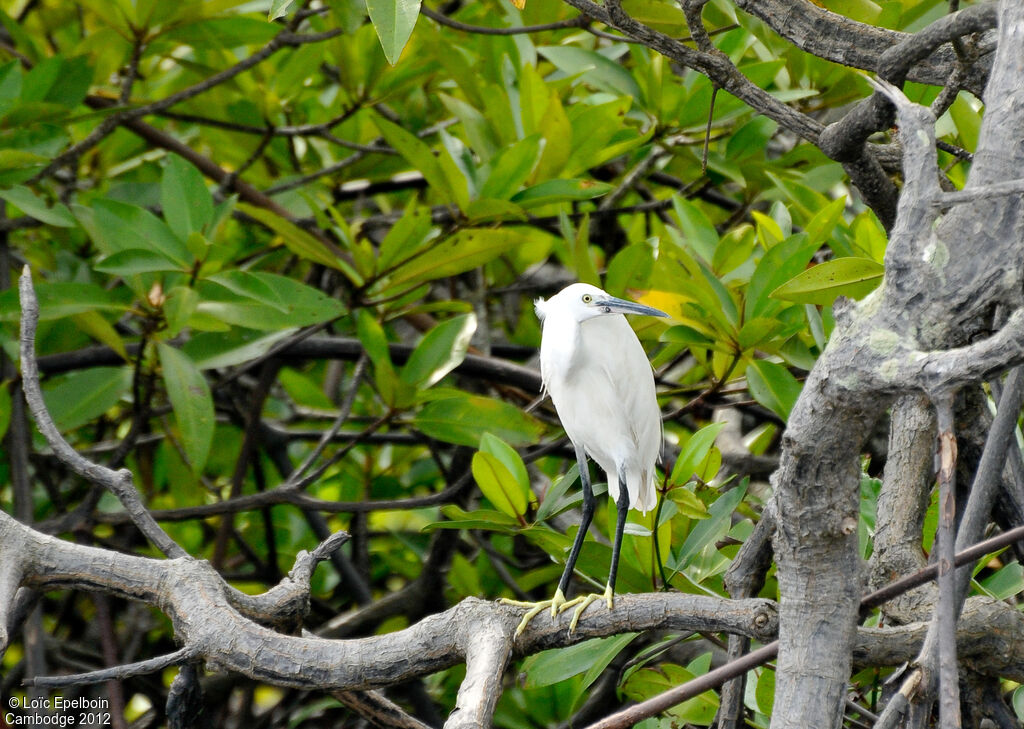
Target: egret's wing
{"points": [[628, 415]]}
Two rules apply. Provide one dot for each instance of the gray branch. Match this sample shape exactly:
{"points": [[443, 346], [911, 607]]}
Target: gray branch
{"points": [[839, 39], [210, 627], [120, 482]]}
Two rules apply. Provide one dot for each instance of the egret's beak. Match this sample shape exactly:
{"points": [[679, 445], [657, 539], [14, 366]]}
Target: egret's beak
{"points": [[612, 305]]}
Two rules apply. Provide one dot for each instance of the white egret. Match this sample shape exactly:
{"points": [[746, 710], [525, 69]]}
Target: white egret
{"points": [[602, 385]]}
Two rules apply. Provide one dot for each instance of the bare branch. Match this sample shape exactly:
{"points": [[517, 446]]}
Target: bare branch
{"points": [[115, 673], [859, 45], [120, 482], [945, 370], [376, 708], [947, 607]]}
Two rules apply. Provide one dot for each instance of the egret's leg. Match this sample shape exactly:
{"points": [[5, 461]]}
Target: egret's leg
{"points": [[577, 544], [558, 602], [620, 526], [622, 505]]}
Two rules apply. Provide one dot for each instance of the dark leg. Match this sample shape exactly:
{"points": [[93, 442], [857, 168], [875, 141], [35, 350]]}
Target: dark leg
{"points": [[582, 602], [620, 524], [588, 515]]}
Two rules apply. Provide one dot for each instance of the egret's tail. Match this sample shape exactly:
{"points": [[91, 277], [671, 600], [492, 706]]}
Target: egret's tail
{"points": [[646, 497], [643, 496]]}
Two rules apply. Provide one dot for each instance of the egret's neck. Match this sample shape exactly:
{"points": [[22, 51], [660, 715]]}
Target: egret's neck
{"points": [[559, 346]]}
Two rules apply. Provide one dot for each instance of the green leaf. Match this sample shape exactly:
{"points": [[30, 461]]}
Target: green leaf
{"points": [[440, 351], [459, 253], [509, 458], [967, 120], [58, 80], [557, 131], [375, 343], [703, 532], [79, 397], [267, 301], [180, 304], [688, 503], [62, 299], [35, 207], [405, 236], [648, 682], [96, 326], [591, 656], [822, 284], [682, 334], [1018, 702], [630, 268], [133, 261], [464, 419], [698, 232], [417, 153], [779, 264], [278, 9], [23, 40], [579, 245], [213, 350], [18, 165], [757, 331], [479, 132], [222, 33], [557, 191], [820, 227], [393, 20], [498, 484], [764, 692], [187, 204], [694, 452], [119, 226], [300, 242], [192, 403], [726, 303], [510, 168], [488, 519], [555, 500], [773, 386], [257, 286], [600, 71]]}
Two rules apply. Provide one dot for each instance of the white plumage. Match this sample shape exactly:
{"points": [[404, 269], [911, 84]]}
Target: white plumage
{"points": [[602, 385]]}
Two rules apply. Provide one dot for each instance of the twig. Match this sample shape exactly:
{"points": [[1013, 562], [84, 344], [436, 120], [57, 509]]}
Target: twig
{"points": [[979, 505], [707, 131], [114, 673], [378, 709], [983, 192], [332, 432], [119, 482], [283, 39], [947, 606]]}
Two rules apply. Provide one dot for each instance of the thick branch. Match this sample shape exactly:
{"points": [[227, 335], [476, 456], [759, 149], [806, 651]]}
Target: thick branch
{"points": [[836, 38]]}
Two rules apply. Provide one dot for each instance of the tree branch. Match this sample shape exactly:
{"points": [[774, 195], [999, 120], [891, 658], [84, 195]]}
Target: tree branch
{"points": [[837, 38], [120, 482]]}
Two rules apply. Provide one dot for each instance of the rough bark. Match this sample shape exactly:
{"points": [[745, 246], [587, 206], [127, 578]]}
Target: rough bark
{"points": [[939, 292]]}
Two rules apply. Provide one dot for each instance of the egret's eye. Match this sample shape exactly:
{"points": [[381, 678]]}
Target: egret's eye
{"points": [[587, 298]]}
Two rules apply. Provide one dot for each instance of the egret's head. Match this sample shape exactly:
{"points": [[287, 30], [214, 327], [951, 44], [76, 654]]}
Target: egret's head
{"points": [[582, 301]]}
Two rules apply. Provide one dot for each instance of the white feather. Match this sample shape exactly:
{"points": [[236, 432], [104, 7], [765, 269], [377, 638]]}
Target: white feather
{"points": [[602, 385]]}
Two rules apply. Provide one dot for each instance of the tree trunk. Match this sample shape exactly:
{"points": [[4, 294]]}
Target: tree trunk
{"points": [[943, 283]]}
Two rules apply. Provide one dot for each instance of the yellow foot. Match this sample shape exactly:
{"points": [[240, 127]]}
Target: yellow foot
{"points": [[557, 604], [583, 602]]}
